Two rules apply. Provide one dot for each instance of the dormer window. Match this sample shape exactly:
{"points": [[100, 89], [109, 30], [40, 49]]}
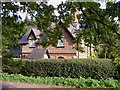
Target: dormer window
{"points": [[60, 43], [31, 43]]}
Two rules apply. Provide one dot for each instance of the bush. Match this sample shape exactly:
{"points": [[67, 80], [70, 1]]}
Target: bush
{"points": [[10, 65], [74, 68], [116, 63], [100, 69]]}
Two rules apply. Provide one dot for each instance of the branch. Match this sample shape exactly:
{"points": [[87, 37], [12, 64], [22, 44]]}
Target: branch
{"points": [[111, 27], [104, 39], [82, 10], [30, 9]]}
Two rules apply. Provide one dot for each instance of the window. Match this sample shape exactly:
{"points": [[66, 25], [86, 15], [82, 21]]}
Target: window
{"points": [[60, 57], [32, 43], [60, 43]]}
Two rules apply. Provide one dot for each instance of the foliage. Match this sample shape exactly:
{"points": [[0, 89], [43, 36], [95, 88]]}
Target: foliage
{"points": [[116, 63], [73, 82], [12, 29], [74, 68], [43, 20], [98, 25], [11, 65]]}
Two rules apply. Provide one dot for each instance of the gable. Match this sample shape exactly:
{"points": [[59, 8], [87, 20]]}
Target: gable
{"points": [[68, 32], [32, 33]]}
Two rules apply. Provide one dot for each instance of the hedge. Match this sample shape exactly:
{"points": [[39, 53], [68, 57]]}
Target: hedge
{"points": [[116, 63], [74, 68]]}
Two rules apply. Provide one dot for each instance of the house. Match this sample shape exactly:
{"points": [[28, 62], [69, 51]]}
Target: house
{"points": [[30, 47]]}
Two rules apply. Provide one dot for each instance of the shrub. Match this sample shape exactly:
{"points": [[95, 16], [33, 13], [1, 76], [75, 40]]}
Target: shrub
{"points": [[116, 63], [70, 68], [74, 68], [10, 65]]}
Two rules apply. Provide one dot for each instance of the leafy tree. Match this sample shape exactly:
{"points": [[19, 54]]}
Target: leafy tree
{"points": [[99, 27], [11, 28]]}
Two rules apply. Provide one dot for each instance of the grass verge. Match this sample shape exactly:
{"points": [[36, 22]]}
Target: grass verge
{"points": [[74, 82]]}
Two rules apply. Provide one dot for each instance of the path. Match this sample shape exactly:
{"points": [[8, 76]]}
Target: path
{"points": [[7, 84]]}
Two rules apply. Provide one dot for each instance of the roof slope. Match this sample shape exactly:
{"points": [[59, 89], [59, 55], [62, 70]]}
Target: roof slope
{"points": [[15, 52], [38, 53], [36, 32], [24, 38]]}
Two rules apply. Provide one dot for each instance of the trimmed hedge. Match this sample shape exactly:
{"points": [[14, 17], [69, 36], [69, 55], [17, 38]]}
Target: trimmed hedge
{"points": [[10, 65], [74, 68], [116, 63]]}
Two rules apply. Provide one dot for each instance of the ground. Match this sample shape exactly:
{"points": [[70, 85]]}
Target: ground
{"points": [[8, 84]]}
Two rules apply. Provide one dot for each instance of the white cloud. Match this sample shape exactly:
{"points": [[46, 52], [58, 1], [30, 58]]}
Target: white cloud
{"points": [[55, 2], [103, 5]]}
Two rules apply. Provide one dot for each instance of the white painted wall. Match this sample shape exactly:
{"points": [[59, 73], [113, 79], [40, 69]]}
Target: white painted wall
{"points": [[45, 56]]}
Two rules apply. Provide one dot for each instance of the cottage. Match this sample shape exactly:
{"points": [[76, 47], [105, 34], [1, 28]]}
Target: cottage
{"points": [[30, 47]]}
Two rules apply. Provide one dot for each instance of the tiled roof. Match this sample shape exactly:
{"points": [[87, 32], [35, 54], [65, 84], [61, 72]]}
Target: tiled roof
{"points": [[38, 53], [73, 28], [15, 52], [24, 39], [36, 32]]}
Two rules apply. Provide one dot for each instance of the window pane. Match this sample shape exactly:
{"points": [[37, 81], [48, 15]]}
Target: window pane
{"points": [[60, 43], [32, 43]]}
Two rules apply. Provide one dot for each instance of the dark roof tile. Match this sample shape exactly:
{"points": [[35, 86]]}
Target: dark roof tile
{"points": [[15, 52], [24, 39], [38, 53]]}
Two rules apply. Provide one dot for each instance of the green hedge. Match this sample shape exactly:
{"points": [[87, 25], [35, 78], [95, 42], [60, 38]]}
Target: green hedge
{"points": [[10, 65], [116, 63], [74, 68]]}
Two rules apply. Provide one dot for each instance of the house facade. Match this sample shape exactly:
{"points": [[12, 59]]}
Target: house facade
{"points": [[64, 47], [29, 43]]}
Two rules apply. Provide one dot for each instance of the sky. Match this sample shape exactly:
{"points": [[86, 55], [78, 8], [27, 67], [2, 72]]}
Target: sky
{"points": [[54, 3]]}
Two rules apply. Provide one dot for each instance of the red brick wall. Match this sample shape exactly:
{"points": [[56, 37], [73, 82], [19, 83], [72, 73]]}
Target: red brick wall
{"points": [[68, 47], [68, 41], [65, 56]]}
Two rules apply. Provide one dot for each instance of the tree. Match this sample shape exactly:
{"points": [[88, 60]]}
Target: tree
{"points": [[11, 28], [99, 27]]}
